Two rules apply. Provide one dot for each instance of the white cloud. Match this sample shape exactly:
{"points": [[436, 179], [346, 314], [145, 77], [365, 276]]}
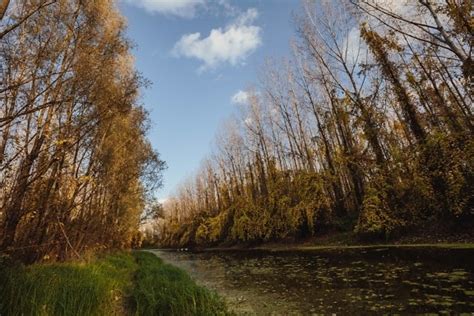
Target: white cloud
{"points": [[181, 8], [247, 17], [241, 97], [232, 44]]}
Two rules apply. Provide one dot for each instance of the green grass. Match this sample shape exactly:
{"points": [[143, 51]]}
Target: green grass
{"points": [[119, 284], [93, 288], [162, 289]]}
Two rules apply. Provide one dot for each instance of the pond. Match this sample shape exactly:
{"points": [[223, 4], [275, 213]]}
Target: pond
{"points": [[360, 281]]}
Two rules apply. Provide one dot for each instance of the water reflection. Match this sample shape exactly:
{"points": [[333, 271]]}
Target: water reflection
{"points": [[337, 281]]}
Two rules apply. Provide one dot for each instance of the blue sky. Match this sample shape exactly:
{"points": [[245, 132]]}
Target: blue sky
{"points": [[196, 77]]}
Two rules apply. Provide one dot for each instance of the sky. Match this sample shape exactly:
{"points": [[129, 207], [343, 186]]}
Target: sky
{"points": [[200, 56]]}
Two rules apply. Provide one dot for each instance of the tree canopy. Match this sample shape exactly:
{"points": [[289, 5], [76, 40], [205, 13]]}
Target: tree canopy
{"points": [[76, 168], [368, 127]]}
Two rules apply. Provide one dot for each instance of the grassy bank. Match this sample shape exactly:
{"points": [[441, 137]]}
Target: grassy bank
{"points": [[119, 284], [161, 289]]}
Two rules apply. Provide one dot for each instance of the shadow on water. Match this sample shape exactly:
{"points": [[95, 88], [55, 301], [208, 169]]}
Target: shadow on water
{"points": [[382, 280]]}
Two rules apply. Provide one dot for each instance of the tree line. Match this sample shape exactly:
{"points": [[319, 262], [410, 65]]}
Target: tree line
{"points": [[368, 127], [76, 169]]}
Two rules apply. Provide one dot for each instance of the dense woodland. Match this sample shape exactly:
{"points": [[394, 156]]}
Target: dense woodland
{"points": [[76, 169], [368, 127]]}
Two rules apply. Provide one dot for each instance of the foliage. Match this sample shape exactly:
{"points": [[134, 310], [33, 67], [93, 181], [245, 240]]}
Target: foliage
{"points": [[371, 135], [76, 169]]}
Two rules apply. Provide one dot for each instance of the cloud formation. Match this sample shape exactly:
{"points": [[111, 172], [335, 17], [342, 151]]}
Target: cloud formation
{"points": [[181, 8], [241, 97], [231, 44]]}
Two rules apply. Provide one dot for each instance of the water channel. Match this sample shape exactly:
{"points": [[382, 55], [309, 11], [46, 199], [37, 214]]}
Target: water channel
{"points": [[341, 281]]}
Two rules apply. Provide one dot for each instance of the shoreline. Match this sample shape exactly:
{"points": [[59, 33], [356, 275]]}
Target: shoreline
{"points": [[342, 241], [284, 248]]}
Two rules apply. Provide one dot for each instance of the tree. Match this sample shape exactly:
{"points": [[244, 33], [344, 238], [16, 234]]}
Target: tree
{"points": [[76, 167]]}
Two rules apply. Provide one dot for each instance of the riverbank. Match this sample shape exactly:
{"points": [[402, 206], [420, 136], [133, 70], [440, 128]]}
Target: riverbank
{"points": [[137, 283], [349, 240]]}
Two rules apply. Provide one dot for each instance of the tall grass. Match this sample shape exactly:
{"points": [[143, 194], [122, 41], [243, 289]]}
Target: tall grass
{"points": [[119, 284], [161, 289], [94, 288]]}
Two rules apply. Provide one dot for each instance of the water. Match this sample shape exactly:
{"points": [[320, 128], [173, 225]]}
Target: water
{"points": [[359, 281]]}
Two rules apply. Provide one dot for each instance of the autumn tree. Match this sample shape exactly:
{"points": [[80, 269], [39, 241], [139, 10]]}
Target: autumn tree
{"points": [[75, 165]]}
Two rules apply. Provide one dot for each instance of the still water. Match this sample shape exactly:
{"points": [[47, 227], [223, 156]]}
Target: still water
{"points": [[341, 281]]}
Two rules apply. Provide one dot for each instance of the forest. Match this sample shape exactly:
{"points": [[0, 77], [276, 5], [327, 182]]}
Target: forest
{"points": [[367, 127], [76, 168]]}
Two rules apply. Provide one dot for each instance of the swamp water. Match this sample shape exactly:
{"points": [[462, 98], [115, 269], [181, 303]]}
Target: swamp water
{"points": [[341, 281]]}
